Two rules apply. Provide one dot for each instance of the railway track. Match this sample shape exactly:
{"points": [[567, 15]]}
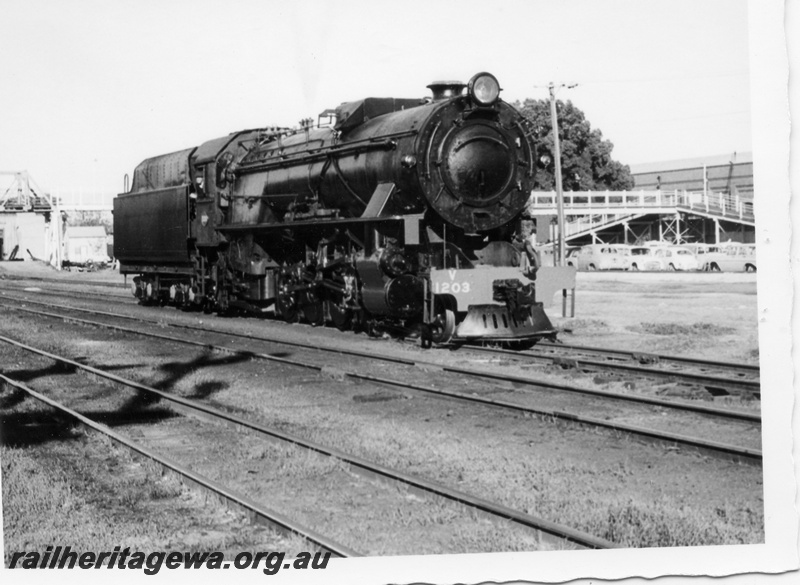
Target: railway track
{"points": [[711, 447], [718, 378], [548, 532], [57, 281], [474, 372], [232, 498], [746, 369], [715, 378]]}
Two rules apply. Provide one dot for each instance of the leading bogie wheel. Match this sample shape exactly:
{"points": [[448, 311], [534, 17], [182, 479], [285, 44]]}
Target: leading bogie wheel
{"points": [[443, 326]]}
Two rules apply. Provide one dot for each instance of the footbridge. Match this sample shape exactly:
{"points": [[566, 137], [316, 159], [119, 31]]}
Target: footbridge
{"points": [[20, 193], [673, 213]]}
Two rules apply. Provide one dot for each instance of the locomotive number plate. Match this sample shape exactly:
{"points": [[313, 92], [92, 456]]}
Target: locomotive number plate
{"points": [[471, 286], [452, 286]]}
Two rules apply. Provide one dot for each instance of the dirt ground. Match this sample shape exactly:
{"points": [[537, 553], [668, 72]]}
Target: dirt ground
{"points": [[702, 314]]}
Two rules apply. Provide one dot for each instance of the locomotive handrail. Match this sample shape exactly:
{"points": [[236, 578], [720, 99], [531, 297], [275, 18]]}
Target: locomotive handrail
{"points": [[428, 150], [265, 197], [386, 141], [237, 227], [528, 152]]}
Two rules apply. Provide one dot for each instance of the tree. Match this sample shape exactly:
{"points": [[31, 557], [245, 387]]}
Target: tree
{"points": [[87, 218], [586, 163]]}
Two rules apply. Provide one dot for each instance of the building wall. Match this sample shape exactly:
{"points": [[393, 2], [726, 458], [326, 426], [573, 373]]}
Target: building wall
{"points": [[725, 174], [26, 230], [84, 249]]}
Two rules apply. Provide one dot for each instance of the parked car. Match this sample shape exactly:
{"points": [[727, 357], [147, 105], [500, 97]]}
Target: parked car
{"points": [[601, 257], [730, 257], [669, 258], [679, 258], [571, 257], [642, 258]]}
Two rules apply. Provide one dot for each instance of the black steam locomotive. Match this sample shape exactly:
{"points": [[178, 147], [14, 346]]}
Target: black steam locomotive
{"points": [[386, 213]]}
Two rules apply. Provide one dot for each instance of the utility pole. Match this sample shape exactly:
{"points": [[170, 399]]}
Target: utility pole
{"points": [[559, 187]]}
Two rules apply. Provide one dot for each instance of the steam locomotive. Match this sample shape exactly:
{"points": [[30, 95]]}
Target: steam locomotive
{"points": [[385, 213]]}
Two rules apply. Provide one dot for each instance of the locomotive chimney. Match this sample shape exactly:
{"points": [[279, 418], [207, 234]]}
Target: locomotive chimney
{"points": [[443, 90]]}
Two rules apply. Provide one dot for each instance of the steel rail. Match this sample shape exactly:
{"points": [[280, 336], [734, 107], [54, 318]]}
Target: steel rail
{"points": [[601, 351], [711, 447], [605, 394], [118, 285], [273, 519], [361, 466], [750, 386], [628, 354]]}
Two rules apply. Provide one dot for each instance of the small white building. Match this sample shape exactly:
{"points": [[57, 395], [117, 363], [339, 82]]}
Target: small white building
{"points": [[83, 244]]}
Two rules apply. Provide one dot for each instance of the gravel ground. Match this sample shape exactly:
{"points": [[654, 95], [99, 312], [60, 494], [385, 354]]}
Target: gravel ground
{"points": [[615, 488]]}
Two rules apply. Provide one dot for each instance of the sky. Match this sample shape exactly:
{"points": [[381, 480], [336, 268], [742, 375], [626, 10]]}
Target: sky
{"points": [[88, 89]]}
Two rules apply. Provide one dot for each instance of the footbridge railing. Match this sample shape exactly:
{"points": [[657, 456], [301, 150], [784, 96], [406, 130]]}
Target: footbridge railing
{"points": [[720, 205]]}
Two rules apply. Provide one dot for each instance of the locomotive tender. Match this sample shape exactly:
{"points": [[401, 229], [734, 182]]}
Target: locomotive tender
{"points": [[389, 212]]}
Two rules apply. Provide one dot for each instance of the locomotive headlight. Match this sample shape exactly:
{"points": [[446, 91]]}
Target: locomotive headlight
{"points": [[484, 89]]}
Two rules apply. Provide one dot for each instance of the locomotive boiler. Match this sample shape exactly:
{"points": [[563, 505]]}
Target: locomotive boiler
{"points": [[385, 213]]}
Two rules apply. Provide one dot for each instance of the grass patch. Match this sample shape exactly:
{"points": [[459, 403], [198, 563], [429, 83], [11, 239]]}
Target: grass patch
{"points": [[549, 488], [40, 506], [296, 462], [664, 524], [487, 536], [90, 494]]}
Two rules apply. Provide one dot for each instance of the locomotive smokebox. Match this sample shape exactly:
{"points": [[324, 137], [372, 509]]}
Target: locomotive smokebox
{"points": [[477, 156], [478, 163]]}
